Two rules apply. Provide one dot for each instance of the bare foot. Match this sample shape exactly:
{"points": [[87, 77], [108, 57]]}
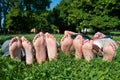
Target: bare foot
{"points": [[51, 46], [66, 43], [39, 45], [28, 50], [109, 50], [15, 46], [77, 42], [87, 50]]}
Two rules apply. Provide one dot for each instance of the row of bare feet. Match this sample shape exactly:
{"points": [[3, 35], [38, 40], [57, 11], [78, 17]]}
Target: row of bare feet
{"points": [[68, 45], [44, 45], [84, 47]]}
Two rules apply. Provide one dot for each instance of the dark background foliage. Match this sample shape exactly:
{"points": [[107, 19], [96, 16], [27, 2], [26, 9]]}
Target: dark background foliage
{"points": [[74, 15]]}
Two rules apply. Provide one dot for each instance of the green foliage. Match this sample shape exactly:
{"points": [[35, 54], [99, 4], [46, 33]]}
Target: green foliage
{"points": [[74, 15], [42, 23], [11, 18], [65, 68], [39, 5], [98, 15], [19, 22], [13, 3], [21, 17], [54, 29]]}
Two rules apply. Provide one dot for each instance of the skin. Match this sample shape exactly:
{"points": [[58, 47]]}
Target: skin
{"points": [[109, 50], [39, 45], [78, 42], [15, 46], [28, 50], [87, 50], [85, 47], [45, 44], [51, 46], [67, 42]]}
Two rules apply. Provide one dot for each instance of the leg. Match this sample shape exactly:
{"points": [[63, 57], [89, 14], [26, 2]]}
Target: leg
{"points": [[15, 46], [39, 45], [51, 44], [77, 42], [28, 50], [66, 32], [70, 33], [87, 50], [66, 43], [109, 52]]}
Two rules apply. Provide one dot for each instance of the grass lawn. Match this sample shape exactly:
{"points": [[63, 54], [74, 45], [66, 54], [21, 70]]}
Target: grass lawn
{"points": [[64, 68]]}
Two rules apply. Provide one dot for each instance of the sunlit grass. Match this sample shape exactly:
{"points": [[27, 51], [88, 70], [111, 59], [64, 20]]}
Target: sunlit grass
{"points": [[64, 68]]}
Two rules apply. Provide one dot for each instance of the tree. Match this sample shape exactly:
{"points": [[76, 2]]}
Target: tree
{"points": [[42, 22], [23, 14], [37, 5], [98, 15], [19, 22]]}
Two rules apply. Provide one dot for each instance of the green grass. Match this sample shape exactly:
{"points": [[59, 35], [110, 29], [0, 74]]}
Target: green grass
{"points": [[64, 68]]}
